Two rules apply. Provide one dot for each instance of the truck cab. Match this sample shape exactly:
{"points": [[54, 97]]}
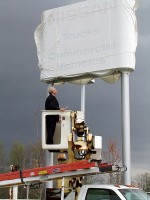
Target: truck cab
{"points": [[112, 192]]}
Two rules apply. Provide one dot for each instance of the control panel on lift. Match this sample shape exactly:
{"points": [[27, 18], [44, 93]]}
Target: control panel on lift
{"points": [[72, 133]]}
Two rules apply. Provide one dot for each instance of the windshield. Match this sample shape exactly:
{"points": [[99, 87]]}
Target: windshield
{"points": [[134, 194]]}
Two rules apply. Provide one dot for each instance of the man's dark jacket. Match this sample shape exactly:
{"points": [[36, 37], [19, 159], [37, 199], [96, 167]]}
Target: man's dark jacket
{"points": [[51, 103]]}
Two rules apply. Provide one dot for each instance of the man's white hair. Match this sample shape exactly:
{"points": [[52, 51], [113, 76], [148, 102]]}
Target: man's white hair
{"points": [[51, 89]]}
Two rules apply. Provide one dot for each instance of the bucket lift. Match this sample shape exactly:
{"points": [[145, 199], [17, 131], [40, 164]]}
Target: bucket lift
{"points": [[72, 134], [83, 157]]}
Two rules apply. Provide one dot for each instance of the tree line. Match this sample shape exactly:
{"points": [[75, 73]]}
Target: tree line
{"points": [[26, 156]]}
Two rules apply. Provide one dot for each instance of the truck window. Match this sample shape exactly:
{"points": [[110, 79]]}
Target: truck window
{"points": [[134, 194], [101, 194]]}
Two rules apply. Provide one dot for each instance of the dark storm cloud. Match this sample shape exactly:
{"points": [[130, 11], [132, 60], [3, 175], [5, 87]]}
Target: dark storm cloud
{"points": [[22, 95], [140, 92]]}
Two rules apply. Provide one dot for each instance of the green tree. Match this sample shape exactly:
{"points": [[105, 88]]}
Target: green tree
{"points": [[17, 154], [34, 155], [2, 158], [4, 192]]}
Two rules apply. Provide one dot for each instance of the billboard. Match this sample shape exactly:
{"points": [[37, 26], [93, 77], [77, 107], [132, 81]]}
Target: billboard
{"points": [[86, 40]]}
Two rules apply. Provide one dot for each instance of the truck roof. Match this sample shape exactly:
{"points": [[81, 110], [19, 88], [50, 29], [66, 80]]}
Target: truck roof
{"points": [[111, 186]]}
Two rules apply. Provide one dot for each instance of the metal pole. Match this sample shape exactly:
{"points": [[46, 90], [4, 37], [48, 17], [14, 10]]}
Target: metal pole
{"points": [[49, 162], [83, 98], [126, 152], [63, 188], [27, 191], [15, 192]]}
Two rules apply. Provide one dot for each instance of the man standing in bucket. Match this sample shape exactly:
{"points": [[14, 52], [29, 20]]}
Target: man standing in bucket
{"points": [[51, 103]]}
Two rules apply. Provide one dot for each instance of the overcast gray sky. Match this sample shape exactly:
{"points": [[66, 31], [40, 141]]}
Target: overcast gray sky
{"points": [[22, 95]]}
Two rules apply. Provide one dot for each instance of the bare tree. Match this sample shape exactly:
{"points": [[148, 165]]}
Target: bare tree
{"points": [[142, 181], [112, 155]]}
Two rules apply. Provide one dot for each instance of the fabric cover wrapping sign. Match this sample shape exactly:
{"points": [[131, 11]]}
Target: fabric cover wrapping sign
{"points": [[86, 40]]}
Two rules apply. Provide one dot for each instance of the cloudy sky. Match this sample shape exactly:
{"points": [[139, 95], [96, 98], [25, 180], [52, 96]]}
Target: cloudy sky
{"points": [[22, 94]]}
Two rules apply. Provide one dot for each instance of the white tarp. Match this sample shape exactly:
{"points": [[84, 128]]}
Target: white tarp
{"points": [[93, 38]]}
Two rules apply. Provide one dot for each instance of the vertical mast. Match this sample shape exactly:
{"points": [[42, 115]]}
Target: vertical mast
{"points": [[83, 98], [126, 147]]}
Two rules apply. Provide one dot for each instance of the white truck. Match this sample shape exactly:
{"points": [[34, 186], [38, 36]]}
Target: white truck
{"points": [[103, 192], [111, 192]]}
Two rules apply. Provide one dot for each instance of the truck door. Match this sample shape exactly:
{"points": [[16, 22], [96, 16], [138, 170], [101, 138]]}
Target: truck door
{"points": [[101, 194]]}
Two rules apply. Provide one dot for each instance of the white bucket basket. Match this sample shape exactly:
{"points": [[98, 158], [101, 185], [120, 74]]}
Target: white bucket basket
{"points": [[63, 128]]}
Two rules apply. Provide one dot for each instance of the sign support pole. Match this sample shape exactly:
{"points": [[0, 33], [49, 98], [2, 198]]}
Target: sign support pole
{"points": [[83, 98], [126, 147]]}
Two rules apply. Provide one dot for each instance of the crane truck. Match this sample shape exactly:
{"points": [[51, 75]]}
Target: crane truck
{"points": [[78, 156]]}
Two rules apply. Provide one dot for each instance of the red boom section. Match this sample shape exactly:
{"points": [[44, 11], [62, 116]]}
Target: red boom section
{"points": [[61, 168]]}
